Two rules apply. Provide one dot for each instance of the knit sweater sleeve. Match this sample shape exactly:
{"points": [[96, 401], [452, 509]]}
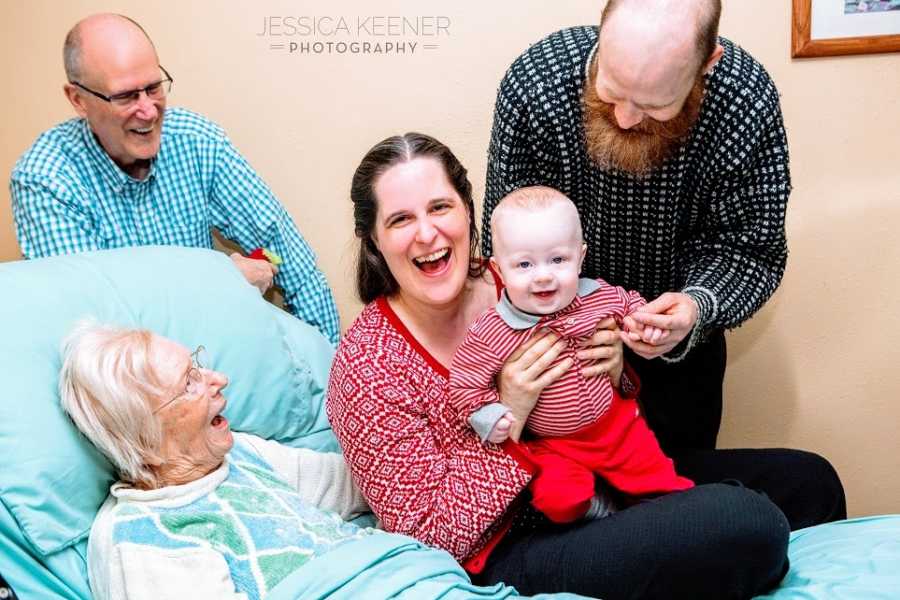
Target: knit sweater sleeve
{"points": [[736, 261], [391, 420], [516, 156], [410, 486], [321, 478]]}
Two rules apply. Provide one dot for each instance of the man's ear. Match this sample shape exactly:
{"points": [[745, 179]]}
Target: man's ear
{"points": [[713, 59], [496, 269], [75, 99]]}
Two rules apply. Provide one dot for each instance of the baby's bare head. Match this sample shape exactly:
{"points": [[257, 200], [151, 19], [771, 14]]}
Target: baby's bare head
{"points": [[560, 213]]}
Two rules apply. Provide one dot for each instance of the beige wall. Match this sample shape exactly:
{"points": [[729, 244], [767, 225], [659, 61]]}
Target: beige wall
{"points": [[817, 368]]}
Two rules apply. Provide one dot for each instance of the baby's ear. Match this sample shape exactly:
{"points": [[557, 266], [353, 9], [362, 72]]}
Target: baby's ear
{"points": [[581, 258]]}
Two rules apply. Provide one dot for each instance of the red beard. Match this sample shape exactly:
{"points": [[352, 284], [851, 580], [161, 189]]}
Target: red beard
{"points": [[645, 146]]}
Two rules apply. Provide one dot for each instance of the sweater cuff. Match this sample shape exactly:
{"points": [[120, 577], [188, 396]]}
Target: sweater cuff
{"points": [[707, 309], [484, 419]]}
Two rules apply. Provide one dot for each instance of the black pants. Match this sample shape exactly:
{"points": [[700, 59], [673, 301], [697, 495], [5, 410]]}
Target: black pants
{"points": [[683, 401], [5, 590], [717, 541]]}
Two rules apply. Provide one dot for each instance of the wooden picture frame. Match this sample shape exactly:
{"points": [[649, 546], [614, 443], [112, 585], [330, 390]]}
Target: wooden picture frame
{"points": [[804, 47]]}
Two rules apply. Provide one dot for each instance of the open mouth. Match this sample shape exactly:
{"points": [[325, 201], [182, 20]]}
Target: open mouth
{"points": [[434, 262], [219, 422], [545, 295], [142, 130]]}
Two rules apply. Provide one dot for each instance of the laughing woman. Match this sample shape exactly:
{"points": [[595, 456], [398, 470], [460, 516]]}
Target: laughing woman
{"points": [[426, 474]]}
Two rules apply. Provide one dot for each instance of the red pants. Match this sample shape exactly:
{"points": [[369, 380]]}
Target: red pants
{"points": [[619, 447]]}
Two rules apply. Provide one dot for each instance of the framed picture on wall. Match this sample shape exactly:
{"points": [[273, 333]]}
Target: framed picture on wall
{"points": [[838, 27]]}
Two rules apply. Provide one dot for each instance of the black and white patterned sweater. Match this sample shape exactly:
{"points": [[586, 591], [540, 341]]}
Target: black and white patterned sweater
{"points": [[708, 222]]}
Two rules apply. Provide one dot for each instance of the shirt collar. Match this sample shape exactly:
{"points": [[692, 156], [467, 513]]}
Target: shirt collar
{"points": [[114, 176], [587, 286], [175, 495], [519, 319]]}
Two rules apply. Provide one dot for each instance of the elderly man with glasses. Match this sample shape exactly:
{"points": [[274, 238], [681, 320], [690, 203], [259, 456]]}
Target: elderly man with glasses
{"points": [[129, 171]]}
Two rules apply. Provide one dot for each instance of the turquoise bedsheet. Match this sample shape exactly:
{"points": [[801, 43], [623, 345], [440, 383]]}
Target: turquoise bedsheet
{"points": [[858, 559], [389, 566]]}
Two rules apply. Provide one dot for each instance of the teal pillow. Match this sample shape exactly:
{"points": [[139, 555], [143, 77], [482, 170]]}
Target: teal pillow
{"points": [[52, 481], [307, 424]]}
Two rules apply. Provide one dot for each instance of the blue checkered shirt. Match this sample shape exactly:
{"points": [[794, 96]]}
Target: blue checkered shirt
{"points": [[69, 196]]}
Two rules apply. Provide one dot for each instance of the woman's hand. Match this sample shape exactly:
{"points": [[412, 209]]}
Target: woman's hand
{"points": [[603, 351], [526, 374]]}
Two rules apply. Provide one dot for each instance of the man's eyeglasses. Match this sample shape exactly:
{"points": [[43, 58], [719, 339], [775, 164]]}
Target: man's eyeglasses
{"points": [[155, 90], [195, 381]]}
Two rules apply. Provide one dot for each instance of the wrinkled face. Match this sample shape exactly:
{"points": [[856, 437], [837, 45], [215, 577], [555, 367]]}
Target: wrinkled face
{"points": [[539, 255], [130, 135], [195, 435], [422, 230]]}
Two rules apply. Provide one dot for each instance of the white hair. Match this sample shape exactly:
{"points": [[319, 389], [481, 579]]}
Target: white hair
{"points": [[105, 385]]}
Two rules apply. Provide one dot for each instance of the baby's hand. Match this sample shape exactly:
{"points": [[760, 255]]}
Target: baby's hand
{"points": [[654, 335], [645, 333], [501, 428]]}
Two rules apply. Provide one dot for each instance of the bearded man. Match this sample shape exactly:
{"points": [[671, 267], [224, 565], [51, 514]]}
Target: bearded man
{"points": [[670, 141]]}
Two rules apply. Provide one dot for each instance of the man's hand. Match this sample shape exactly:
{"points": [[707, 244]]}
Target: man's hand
{"points": [[259, 273], [673, 312], [603, 350], [526, 374]]}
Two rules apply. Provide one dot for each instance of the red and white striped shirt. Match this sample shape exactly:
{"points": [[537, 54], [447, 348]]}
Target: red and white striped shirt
{"points": [[570, 403]]}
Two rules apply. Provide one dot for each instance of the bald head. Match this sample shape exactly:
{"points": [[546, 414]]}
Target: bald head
{"points": [[674, 27], [101, 38], [552, 203]]}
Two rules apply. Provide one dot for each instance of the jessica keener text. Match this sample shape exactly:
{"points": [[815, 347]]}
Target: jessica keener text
{"points": [[354, 35]]}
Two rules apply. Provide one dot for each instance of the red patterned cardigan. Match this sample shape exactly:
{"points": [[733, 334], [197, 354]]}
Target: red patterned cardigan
{"points": [[423, 471]]}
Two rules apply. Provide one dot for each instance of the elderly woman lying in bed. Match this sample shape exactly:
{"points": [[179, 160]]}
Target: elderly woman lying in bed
{"points": [[200, 512]]}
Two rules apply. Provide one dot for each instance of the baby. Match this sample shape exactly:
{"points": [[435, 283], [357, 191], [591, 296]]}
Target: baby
{"points": [[581, 426]]}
